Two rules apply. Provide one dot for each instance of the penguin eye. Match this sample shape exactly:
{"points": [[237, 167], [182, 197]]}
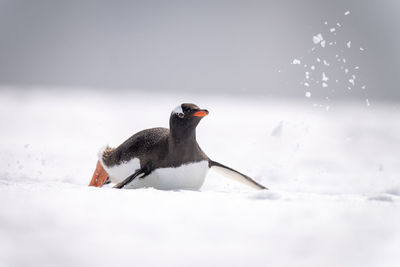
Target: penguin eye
{"points": [[181, 115]]}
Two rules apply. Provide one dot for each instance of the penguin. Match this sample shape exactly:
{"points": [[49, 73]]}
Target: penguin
{"points": [[166, 159]]}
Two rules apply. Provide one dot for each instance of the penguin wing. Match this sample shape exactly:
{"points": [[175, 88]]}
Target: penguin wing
{"points": [[146, 170], [235, 175]]}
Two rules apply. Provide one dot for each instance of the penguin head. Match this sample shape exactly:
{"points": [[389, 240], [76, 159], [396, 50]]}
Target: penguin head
{"points": [[187, 116]]}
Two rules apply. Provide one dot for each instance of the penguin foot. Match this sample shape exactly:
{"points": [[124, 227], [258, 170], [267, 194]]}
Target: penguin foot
{"points": [[100, 176]]}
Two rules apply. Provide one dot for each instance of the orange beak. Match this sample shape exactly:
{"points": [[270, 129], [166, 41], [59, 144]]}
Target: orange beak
{"points": [[99, 176], [201, 113]]}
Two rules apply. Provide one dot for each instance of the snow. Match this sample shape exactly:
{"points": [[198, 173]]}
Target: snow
{"points": [[334, 198], [324, 77], [325, 57], [296, 62], [317, 38]]}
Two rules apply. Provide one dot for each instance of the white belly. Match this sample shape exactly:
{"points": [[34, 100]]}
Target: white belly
{"points": [[118, 173], [188, 176]]}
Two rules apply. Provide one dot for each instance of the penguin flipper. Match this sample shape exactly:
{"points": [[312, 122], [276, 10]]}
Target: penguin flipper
{"points": [[145, 171], [235, 175]]}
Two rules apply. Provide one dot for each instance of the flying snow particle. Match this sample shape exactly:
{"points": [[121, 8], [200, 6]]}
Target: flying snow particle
{"points": [[346, 70], [317, 38], [332, 30], [367, 102], [344, 60], [326, 23], [326, 63], [308, 94], [307, 75], [296, 62], [319, 60], [348, 44], [323, 43], [324, 77], [306, 84], [324, 85], [363, 87], [351, 81], [312, 67], [346, 13], [361, 49], [338, 24], [356, 67]]}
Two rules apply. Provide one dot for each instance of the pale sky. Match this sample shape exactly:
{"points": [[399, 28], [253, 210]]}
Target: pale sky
{"points": [[208, 46]]}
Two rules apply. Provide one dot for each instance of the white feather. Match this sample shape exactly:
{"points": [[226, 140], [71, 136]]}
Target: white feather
{"points": [[188, 176], [118, 173], [177, 110]]}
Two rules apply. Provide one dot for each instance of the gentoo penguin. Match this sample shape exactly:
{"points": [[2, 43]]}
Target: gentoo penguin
{"points": [[163, 158]]}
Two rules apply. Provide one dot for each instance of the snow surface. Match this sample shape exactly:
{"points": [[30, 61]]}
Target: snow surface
{"points": [[334, 180]]}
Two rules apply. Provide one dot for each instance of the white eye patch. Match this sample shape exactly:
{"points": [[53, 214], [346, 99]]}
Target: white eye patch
{"points": [[178, 110]]}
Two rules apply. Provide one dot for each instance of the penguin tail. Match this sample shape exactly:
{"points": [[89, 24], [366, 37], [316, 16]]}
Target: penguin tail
{"points": [[235, 175], [100, 176]]}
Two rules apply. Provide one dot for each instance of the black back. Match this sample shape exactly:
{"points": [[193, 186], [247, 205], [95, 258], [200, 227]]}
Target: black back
{"points": [[161, 147]]}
